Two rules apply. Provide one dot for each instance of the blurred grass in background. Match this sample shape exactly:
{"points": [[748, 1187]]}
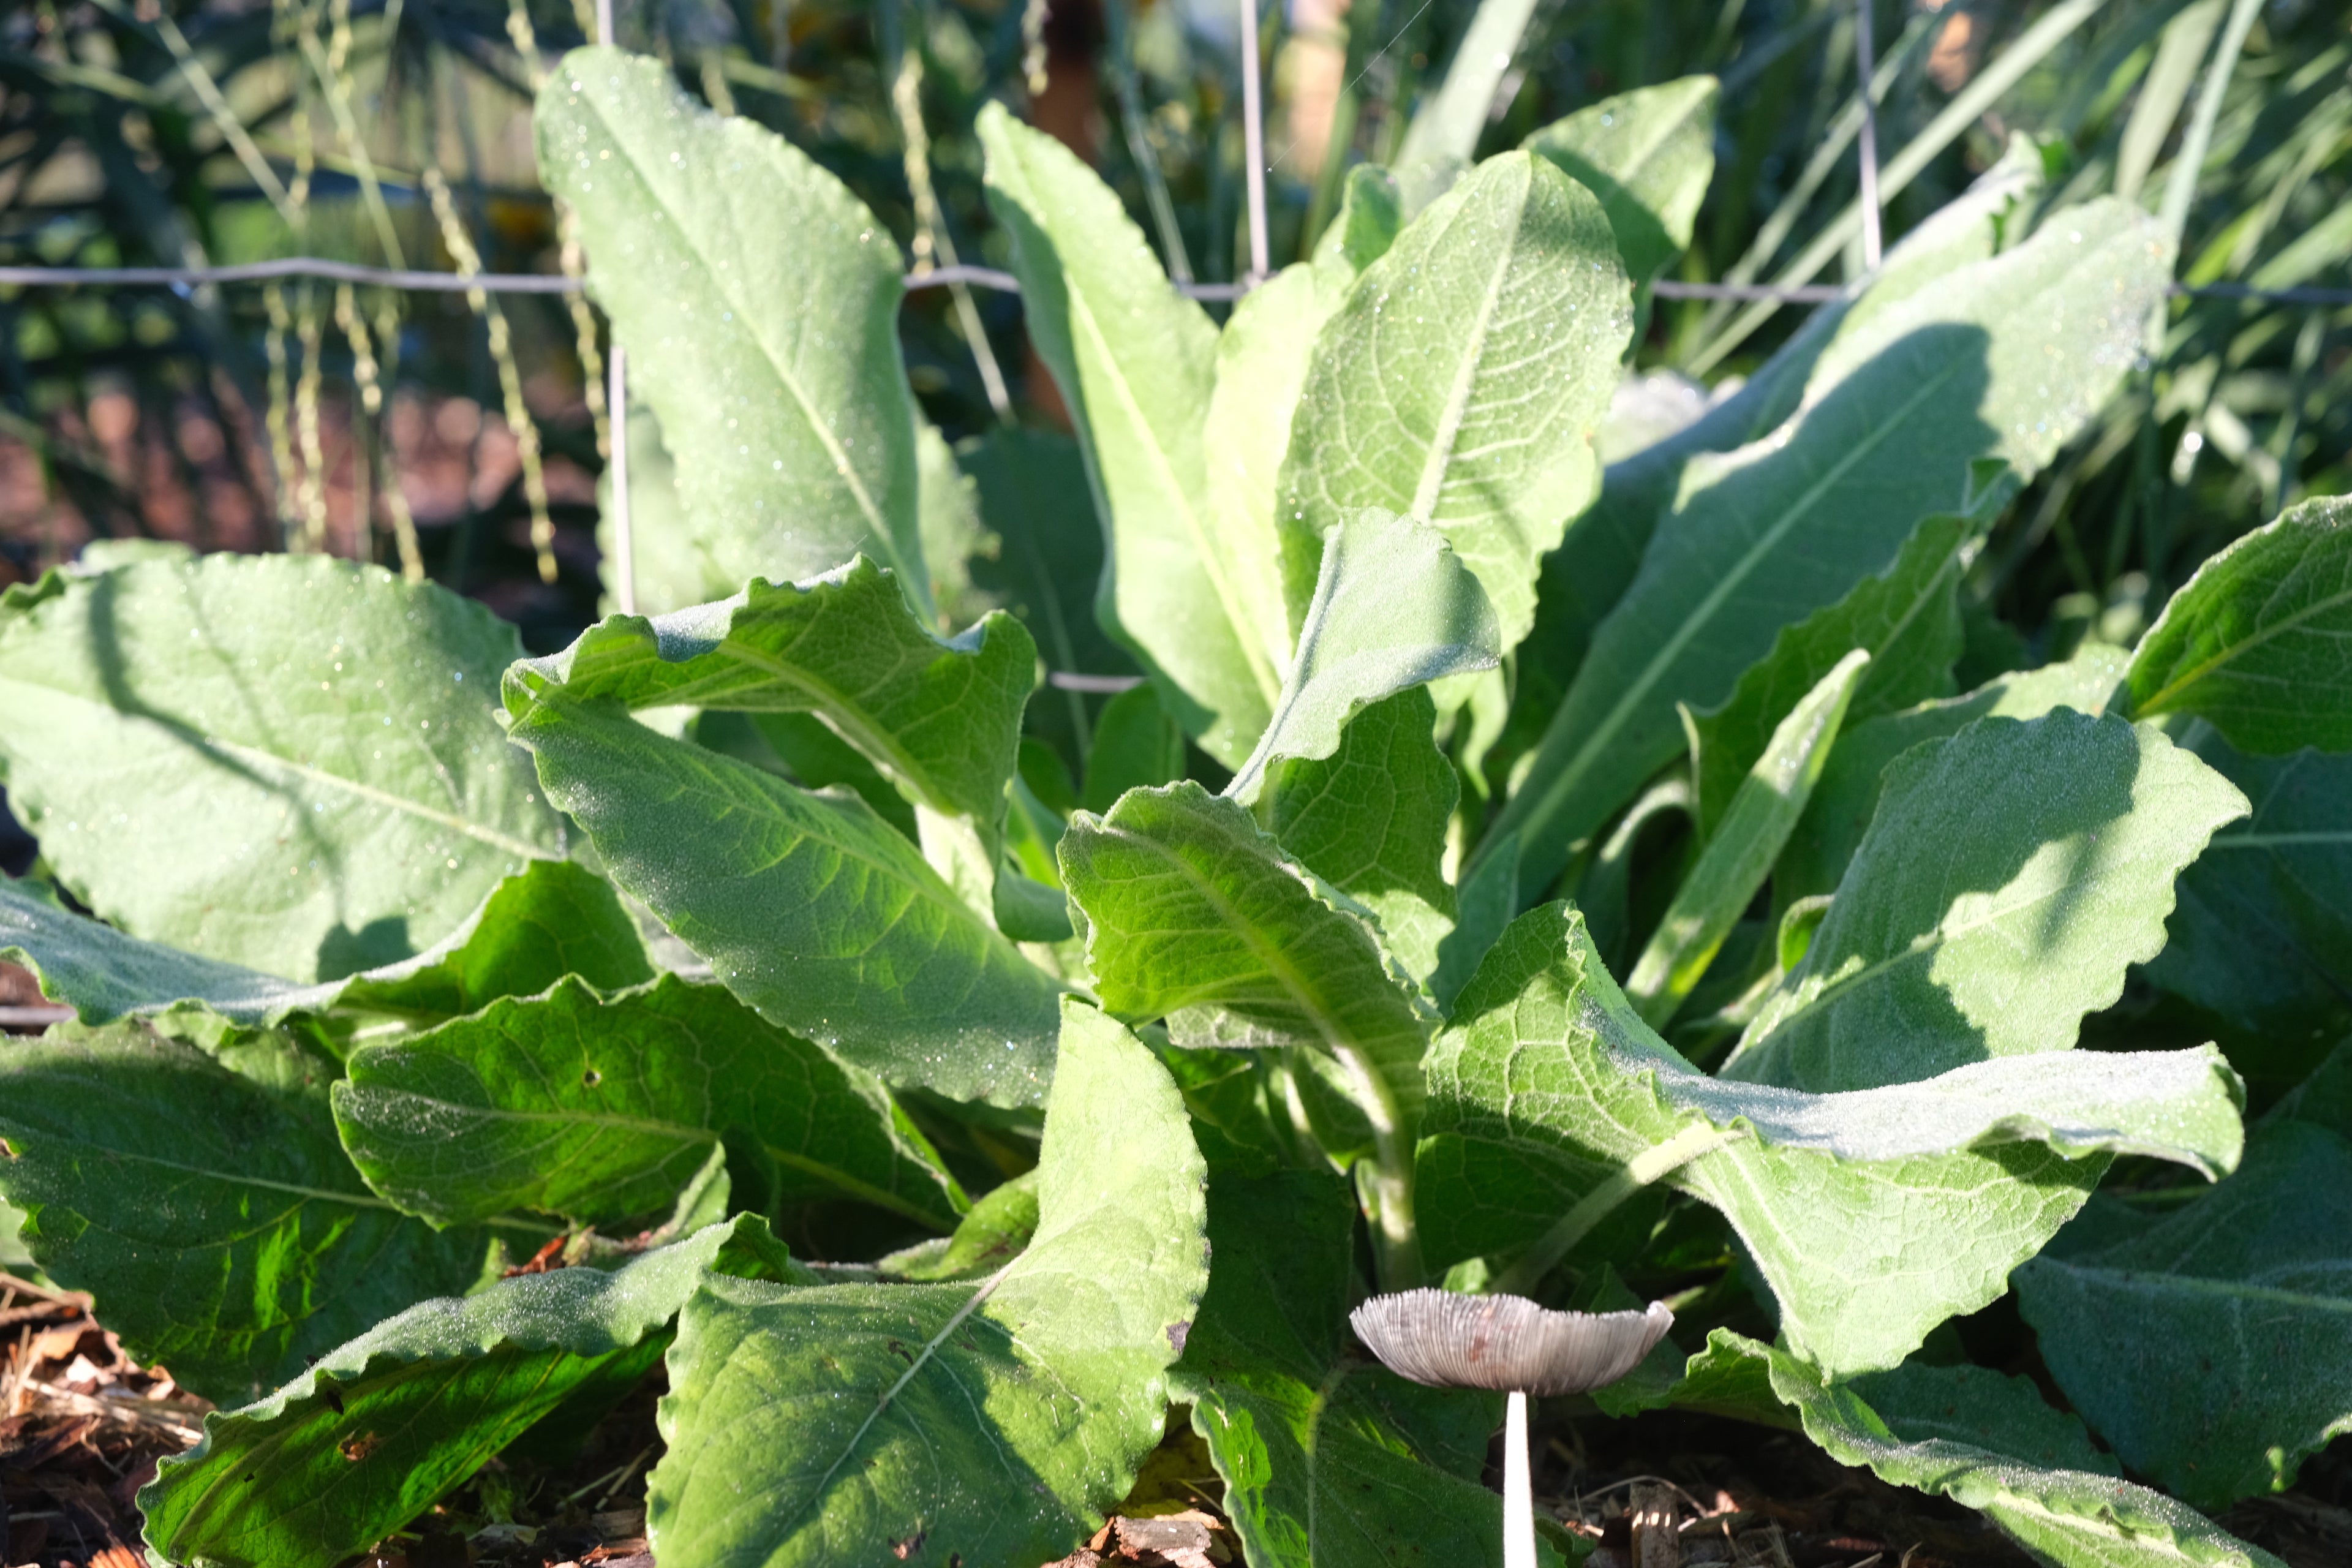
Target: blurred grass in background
{"points": [[464, 440]]}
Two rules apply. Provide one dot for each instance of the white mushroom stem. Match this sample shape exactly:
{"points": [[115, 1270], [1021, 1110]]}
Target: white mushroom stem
{"points": [[1519, 1489]]}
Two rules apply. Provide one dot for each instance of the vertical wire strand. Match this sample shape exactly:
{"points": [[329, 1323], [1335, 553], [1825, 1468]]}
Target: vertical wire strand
{"points": [[1253, 143], [616, 404], [1865, 67]]}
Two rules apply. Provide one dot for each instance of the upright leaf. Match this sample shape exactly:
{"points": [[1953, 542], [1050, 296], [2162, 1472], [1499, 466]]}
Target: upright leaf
{"points": [[2213, 1346], [1907, 620], [2061, 1515], [1736, 861], [990, 1420], [1137, 746], [1648, 155], [758, 301], [2259, 642], [285, 763], [942, 720], [1847, 797], [1370, 821], [1136, 362], [372, 1434], [2011, 877], [953, 535], [1547, 1089], [1393, 608], [1328, 1457], [2003, 360], [809, 907], [1461, 381], [2261, 934], [217, 1223], [601, 1110]]}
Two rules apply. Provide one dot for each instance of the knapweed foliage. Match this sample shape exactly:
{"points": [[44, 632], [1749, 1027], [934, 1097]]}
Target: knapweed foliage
{"points": [[1511, 873]]}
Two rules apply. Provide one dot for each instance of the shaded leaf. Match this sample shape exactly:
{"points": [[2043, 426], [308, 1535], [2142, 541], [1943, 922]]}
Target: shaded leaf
{"points": [[603, 1109], [1137, 746], [288, 763], [990, 1420], [758, 301]]}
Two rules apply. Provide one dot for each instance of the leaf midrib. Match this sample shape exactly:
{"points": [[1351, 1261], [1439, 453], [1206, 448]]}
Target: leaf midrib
{"points": [[1439, 457], [2160, 702]]}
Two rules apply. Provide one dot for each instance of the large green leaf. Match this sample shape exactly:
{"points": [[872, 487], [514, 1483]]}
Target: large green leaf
{"points": [[2011, 875], [1330, 1461], [2259, 642], [1847, 797], [1548, 1089], [809, 907], [1732, 868], [989, 1421], [942, 720], [289, 763], [375, 1431], [1193, 914], [2260, 936], [601, 1109], [1136, 362], [1370, 821], [1393, 607], [758, 301], [1262, 359], [2001, 361], [1979, 1439], [1460, 383], [1908, 620], [217, 1222], [1648, 155], [2213, 1347]]}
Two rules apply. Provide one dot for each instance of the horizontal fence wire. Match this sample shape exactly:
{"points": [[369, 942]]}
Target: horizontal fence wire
{"points": [[935, 277]]}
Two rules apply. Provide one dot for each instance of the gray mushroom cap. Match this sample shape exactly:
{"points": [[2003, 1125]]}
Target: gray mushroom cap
{"points": [[1505, 1342]]}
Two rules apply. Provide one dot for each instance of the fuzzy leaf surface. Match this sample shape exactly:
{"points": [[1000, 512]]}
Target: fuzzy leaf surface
{"points": [[2011, 875], [808, 906], [217, 1223], [2259, 642], [288, 763], [1460, 383], [993, 1419], [1873, 1214], [758, 301], [603, 1108]]}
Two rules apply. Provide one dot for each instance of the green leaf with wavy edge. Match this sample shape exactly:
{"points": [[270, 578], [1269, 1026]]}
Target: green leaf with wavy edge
{"points": [[1648, 155], [1394, 607], [990, 1420], [2260, 934], [758, 301], [1136, 362], [1547, 1085], [2066, 1518], [2237, 1362], [1732, 868], [379, 1429], [941, 720], [286, 763], [1730, 1376], [1328, 1458], [214, 1219], [601, 1108], [1460, 383], [1193, 914], [2259, 642], [1584, 578], [1908, 620], [991, 1236], [1262, 359], [1847, 797], [1370, 821], [2004, 359], [2011, 876], [808, 906]]}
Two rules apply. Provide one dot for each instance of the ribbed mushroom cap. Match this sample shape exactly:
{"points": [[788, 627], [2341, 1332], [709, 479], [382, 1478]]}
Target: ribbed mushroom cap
{"points": [[1505, 1342]]}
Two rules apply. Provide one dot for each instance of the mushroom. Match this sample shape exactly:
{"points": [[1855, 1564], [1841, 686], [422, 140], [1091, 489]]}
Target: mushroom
{"points": [[1511, 1345]]}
